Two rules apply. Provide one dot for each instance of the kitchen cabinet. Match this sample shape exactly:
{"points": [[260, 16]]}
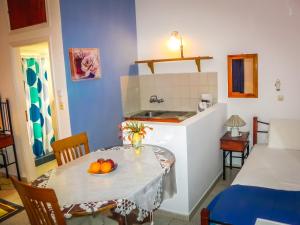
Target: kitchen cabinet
{"points": [[24, 13]]}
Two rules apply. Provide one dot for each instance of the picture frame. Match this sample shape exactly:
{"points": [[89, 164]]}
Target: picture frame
{"points": [[84, 63]]}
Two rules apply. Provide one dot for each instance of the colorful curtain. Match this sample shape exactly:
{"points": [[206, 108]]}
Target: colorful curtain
{"points": [[38, 105]]}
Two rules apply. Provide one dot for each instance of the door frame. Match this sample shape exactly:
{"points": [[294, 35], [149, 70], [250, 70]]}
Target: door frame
{"points": [[10, 41], [48, 157], [20, 94]]}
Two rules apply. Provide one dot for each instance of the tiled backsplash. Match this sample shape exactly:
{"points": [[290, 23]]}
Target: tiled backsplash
{"points": [[130, 90], [180, 92]]}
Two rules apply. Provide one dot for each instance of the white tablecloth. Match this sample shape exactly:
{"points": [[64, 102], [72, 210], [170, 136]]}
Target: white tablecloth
{"points": [[140, 181]]}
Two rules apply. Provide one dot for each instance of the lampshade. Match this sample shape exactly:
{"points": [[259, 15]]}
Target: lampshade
{"points": [[235, 121], [175, 42]]}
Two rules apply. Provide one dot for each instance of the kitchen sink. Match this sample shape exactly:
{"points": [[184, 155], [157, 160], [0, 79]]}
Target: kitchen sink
{"points": [[147, 114], [180, 115]]}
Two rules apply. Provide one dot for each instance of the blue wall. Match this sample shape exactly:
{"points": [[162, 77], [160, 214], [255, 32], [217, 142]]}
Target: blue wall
{"points": [[110, 25]]}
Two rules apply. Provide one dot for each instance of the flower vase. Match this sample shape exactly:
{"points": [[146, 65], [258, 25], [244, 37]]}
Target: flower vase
{"points": [[136, 142]]}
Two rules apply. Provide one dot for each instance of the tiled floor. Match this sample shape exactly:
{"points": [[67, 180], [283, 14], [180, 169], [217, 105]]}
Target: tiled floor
{"points": [[40, 170], [10, 194]]}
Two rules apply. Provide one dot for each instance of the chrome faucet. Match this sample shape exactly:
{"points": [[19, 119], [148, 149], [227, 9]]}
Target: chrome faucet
{"points": [[154, 98]]}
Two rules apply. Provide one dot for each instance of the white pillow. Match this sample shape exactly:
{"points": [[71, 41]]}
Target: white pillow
{"points": [[284, 134]]}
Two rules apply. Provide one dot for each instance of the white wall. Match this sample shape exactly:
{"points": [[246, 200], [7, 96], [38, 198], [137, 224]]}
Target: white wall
{"points": [[204, 155], [11, 84], [173, 137], [218, 28]]}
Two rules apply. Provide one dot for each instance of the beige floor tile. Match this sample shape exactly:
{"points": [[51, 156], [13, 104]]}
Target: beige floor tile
{"points": [[40, 170], [19, 219], [219, 187], [91, 220], [160, 220], [180, 222]]}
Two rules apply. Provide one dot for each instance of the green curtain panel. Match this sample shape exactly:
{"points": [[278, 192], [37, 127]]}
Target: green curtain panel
{"points": [[38, 105]]}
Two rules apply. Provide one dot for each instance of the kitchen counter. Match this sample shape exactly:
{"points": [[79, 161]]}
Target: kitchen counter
{"points": [[195, 144]]}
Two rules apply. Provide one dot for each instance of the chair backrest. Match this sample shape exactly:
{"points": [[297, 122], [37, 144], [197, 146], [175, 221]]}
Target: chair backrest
{"points": [[5, 117], [70, 148], [40, 204]]}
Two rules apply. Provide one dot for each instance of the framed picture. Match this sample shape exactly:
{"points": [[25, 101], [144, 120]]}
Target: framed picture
{"points": [[85, 63]]}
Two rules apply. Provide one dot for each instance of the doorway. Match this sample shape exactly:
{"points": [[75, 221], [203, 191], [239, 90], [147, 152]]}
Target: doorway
{"points": [[40, 112]]}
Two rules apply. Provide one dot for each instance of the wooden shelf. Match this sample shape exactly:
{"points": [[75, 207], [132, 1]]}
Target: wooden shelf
{"points": [[197, 60]]}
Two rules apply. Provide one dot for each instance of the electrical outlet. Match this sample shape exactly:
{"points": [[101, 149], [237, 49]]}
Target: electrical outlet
{"points": [[61, 106], [280, 98]]}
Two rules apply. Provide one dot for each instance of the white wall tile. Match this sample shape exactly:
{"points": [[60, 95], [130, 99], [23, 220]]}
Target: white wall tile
{"points": [[130, 91], [147, 80], [179, 91], [212, 79]]}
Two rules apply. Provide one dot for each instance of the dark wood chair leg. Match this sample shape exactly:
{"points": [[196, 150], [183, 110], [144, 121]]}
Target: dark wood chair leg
{"points": [[255, 128], [4, 162], [119, 218], [230, 155], [243, 158], [248, 149], [224, 165], [129, 219], [204, 217], [16, 162], [122, 220]]}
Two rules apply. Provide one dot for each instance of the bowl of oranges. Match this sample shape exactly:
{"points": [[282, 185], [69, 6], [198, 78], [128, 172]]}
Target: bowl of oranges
{"points": [[102, 166]]}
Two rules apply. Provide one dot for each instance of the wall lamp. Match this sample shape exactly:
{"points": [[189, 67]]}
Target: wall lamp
{"points": [[175, 42]]}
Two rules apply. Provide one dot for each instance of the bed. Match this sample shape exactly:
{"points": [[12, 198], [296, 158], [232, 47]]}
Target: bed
{"points": [[268, 185]]}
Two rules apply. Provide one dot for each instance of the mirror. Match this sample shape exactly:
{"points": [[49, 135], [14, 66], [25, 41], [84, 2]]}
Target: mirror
{"points": [[242, 76]]}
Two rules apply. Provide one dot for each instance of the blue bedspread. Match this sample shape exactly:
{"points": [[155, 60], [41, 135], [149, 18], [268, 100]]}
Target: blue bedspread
{"points": [[242, 205]]}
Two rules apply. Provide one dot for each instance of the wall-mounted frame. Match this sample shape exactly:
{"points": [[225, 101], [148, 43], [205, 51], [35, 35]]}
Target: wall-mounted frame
{"points": [[243, 76], [84, 63]]}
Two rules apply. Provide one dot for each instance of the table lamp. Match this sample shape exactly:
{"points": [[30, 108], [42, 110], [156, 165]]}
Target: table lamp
{"points": [[234, 122]]}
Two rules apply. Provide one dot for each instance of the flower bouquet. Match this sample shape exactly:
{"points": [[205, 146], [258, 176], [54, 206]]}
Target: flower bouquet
{"points": [[134, 131]]}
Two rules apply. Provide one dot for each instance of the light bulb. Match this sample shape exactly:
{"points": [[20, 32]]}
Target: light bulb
{"points": [[174, 42]]}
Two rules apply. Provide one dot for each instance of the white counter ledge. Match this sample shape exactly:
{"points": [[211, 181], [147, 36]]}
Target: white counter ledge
{"points": [[195, 143]]}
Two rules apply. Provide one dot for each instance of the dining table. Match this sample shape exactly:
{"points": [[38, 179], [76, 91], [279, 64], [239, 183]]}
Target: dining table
{"points": [[141, 181]]}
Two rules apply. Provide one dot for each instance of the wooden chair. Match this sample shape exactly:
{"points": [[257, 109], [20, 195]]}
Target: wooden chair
{"points": [[40, 204], [70, 148]]}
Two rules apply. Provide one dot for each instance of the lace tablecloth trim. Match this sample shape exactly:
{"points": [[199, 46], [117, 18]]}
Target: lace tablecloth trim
{"points": [[42, 181], [124, 206]]}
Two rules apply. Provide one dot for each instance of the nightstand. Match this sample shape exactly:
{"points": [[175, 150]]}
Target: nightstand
{"points": [[230, 144]]}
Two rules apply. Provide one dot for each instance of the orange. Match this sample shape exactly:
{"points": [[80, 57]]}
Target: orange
{"points": [[95, 167], [106, 167]]}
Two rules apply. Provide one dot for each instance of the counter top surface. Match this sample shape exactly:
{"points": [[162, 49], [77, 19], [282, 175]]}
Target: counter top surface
{"points": [[176, 121], [161, 116]]}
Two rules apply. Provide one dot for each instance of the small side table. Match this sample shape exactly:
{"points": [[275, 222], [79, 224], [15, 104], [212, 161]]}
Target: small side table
{"points": [[7, 140], [230, 144]]}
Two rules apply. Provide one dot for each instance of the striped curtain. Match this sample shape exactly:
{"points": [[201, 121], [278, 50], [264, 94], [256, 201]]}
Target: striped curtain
{"points": [[38, 105]]}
